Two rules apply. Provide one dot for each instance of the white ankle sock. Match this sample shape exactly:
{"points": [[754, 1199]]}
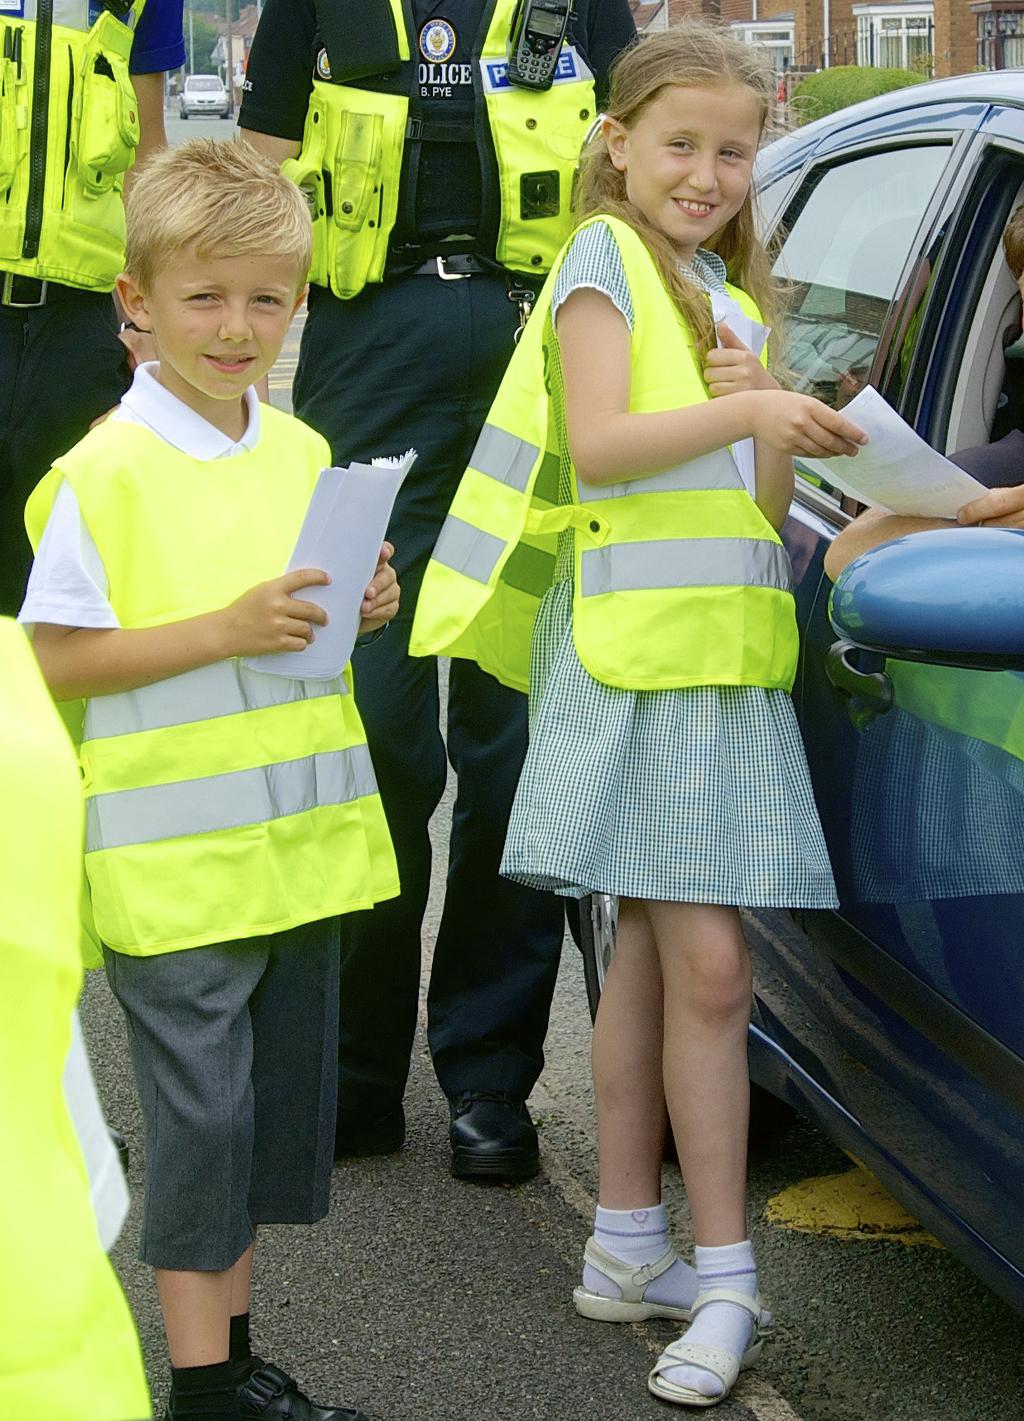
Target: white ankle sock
{"points": [[640, 1236], [719, 1324]]}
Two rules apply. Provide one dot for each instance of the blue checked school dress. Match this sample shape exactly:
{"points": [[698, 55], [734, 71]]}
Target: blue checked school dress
{"points": [[697, 795]]}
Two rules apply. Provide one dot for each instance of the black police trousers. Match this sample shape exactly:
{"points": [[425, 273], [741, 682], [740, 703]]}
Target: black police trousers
{"points": [[61, 366], [415, 363]]}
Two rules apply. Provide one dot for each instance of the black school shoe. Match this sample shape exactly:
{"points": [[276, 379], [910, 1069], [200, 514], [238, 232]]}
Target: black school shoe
{"points": [[492, 1137], [268, 1394]]}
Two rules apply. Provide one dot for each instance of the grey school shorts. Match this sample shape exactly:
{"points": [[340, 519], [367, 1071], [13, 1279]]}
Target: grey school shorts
{"points": [[235, 1053]]}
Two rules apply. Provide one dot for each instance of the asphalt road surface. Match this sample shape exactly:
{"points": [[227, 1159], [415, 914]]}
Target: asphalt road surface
{"points": [[426, 1299]]}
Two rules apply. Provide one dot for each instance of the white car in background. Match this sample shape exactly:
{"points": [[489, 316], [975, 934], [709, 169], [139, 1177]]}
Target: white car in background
{"points": [[204, 94]]}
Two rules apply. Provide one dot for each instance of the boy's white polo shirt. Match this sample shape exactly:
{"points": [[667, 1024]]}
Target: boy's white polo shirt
{"points": [[68, 584]]}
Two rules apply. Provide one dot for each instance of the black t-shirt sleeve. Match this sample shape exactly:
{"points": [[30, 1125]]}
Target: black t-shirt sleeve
{"points": [[279, 74], [610, 29]]}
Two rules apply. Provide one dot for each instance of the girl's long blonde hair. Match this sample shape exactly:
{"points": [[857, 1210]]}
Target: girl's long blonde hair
{"points": [[695, 55]]}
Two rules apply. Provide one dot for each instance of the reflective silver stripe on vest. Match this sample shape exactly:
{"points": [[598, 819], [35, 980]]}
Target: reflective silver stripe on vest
{"points": [[466, 549], [713, 471], [217, 802], [504, 457], [225, 688], [74, 14], [685, 562]]}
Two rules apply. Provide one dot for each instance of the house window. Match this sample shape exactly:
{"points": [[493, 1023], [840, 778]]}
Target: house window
{"points": [[775, 35], [896, 36], [1000, 34]]}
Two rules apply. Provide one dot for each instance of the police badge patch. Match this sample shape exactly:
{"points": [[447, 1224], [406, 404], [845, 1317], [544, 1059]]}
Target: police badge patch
{"points": [[437, 41], [323, 66]]}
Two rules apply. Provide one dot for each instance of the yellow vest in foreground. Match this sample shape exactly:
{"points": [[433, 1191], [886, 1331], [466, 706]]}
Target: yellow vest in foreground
{"points": [[679, 578], [68, 1349], [354, 140], [223, 803], [68, 134]]}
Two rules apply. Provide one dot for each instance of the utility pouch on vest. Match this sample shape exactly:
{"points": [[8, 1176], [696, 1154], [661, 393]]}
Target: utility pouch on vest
{"points": [[13, 112], [106, 107], [358, 168], [350, 160]]}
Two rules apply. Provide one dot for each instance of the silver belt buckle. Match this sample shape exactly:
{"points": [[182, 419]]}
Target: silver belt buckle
{"points": [[447, 275], [7, 288]]}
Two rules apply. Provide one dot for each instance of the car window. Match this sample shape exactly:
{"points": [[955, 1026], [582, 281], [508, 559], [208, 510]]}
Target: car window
{"points": [[847, 236], [203, 82]]}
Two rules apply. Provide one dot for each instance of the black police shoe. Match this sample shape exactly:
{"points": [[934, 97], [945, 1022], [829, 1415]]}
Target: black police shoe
{"points": [[492, 1137], [268, 1394], [359, 1135]]}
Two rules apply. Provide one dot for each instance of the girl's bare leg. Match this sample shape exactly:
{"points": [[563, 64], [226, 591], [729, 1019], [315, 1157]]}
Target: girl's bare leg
{"points": [[627, 1063], [707, 984], [705, 968]]}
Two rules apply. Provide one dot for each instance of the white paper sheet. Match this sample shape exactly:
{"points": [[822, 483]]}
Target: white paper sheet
{"points": [[897, 470], [753, 335], [341, 533]]}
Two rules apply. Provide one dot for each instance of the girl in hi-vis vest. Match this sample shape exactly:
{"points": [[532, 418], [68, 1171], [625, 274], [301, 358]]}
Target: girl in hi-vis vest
{"points": [[631, 478]]}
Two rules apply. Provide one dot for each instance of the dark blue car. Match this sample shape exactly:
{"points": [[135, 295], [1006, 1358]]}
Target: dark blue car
{"points": [[897, 1023]]}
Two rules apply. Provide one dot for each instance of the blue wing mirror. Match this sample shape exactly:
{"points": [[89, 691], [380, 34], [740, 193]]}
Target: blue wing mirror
{"points": [[949, 596]]}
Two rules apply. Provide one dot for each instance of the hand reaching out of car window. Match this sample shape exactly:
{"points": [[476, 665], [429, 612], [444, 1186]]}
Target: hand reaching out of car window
{"points": [[1000, 508]]}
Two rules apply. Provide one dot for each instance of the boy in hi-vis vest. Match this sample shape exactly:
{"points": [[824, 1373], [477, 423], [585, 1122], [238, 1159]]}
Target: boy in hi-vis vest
{"points": [[231, 816]]}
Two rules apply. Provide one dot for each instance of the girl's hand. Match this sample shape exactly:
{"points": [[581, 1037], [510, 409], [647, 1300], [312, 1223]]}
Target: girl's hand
{"points": [[734, 367], [269, 618], [1002, 508], [800, 424], [382, 596]]}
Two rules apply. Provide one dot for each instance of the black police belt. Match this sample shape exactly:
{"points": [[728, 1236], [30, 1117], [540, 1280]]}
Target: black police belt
{"points": [[24, 293]]}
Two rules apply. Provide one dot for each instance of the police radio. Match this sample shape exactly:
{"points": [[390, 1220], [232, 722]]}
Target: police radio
{"points": [[536, 42]]}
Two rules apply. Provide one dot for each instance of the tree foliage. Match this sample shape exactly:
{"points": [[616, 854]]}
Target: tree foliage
{"points": [[833, 89], [204, 37]]}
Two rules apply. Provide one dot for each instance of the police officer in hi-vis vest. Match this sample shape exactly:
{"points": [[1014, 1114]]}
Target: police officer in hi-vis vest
{"points": [[81, 99], [438, 140]]}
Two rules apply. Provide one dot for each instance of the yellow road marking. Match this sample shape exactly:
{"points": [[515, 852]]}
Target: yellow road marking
{"points": [[852, 1205]]}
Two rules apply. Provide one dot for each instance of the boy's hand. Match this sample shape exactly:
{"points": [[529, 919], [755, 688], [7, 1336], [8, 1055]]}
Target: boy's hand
{"points": [[734, 367], [269, 618], [382, 596]]}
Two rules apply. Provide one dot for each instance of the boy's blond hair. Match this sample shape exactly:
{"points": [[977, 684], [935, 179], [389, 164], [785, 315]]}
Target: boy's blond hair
{"points": [[222, 199], [1013, 242]]}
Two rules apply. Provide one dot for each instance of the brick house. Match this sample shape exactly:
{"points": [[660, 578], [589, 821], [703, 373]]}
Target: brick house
{"points": [[938, 37]]}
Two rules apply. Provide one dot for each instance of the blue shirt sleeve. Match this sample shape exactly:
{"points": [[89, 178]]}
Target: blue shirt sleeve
{"points": [[159, 39]]}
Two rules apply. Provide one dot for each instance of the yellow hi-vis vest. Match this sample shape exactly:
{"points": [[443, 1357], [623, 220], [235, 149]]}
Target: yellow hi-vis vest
{"points": [[223, 803], [69, 127], [354, 141], [68, 1349], [679, 578]]}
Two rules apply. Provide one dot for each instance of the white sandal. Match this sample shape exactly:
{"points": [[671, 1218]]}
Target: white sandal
{"points": [[632, 1281], [726, 1366]]}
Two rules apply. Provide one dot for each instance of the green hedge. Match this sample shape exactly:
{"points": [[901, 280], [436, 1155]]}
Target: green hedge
{"points": [[833, 89]]}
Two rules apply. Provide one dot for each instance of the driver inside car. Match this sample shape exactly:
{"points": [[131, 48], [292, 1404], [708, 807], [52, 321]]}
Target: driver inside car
{"points": [[1000, 466]]}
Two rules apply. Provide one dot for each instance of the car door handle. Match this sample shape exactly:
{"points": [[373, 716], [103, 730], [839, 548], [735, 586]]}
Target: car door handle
{"points": [[859, 675]]}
